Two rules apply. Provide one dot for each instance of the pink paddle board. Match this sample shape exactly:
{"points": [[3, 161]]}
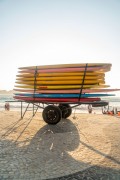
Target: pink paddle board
{"points": [[67, 90], [77, 69], [56, 100]]}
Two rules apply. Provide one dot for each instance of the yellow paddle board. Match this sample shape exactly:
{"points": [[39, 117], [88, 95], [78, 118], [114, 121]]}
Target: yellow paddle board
{"points": [[62, 86], [60, 74], [60, 82], [58, 78]]}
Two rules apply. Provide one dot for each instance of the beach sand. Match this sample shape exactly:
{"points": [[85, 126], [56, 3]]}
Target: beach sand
{"points": [[84, 146]]}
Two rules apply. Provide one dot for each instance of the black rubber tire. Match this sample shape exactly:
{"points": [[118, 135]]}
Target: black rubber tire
{"points": [[52, 114], [66, 110]]}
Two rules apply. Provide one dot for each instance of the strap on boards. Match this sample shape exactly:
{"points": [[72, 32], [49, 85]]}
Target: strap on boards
{"points": [[82, 82], [35, 78]]}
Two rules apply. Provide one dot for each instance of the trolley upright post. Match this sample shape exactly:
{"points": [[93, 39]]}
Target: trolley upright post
{"points": [[82, 82]]}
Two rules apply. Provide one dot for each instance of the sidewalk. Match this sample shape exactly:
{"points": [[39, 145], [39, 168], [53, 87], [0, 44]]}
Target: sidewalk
{"points": [[85, 145]]}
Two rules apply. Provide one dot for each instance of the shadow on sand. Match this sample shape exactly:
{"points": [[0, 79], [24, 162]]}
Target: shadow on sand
{"points": [[47, 156]]}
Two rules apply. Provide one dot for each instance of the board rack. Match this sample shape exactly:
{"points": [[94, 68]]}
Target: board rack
{"points": [[54, 111]]}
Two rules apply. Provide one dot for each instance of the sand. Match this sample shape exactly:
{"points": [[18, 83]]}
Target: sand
{"points": [[84, 145]]}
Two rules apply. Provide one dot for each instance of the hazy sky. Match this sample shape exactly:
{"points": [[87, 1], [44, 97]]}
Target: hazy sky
{"points": [[38, 32]]}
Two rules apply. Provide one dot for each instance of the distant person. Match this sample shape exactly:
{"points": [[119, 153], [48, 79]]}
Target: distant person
{"points": [[7, 106], [104, 111], [90, 108], [107, 111]]}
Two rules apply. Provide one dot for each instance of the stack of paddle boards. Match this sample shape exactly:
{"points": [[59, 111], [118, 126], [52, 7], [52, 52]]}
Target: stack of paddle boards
{"points": [[70, 83]]}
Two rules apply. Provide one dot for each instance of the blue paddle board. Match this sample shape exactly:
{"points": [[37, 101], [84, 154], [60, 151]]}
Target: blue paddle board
{"points": [[62, 95]]}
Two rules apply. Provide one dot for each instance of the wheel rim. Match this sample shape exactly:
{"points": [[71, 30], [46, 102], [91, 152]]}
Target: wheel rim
{"points": [[51, 115]]}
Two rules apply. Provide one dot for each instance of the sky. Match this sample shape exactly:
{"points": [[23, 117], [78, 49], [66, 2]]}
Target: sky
{"points": [[40, 32]]}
